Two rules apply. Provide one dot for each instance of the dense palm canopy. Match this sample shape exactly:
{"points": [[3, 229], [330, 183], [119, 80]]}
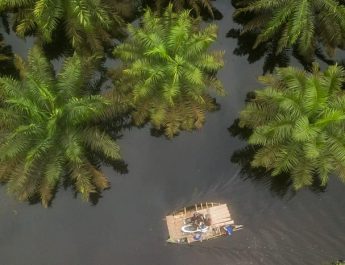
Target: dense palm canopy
{"points": [[49, 129], [179, 5], [87, 23], [296, 22], [298, 123], [168, 70]]}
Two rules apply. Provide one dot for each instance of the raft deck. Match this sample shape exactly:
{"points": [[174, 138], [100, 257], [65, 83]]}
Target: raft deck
{"points": [[220, 217]]}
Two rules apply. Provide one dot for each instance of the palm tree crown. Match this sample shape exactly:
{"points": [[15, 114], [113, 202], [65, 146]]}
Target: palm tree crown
{"points": [[168, 70], [300, 22], [298, 122], [86, 22], [178, 5], [48, 129]]}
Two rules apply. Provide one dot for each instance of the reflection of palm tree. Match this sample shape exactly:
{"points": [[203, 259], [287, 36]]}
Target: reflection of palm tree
{"points": [[300, 23], [49, 128], [298, 123], [168, 71]]}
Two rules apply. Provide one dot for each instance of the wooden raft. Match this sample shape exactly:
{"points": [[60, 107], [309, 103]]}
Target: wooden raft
{"points": [[220, 217]]}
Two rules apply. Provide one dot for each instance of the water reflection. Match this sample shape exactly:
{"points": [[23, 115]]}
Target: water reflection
{"points": [[280, 185]]}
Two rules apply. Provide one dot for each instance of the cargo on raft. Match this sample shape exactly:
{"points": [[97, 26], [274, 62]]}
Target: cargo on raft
{"points": [[200, 222]]}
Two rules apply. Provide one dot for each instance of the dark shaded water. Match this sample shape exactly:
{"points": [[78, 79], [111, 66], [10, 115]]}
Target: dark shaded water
{"points": [[126, 226]]}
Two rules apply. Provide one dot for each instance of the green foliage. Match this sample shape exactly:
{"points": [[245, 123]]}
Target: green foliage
{"points": [[298, 122], [167, 70], [179, 5], [48, 129], [87, 23], [297, 22]]}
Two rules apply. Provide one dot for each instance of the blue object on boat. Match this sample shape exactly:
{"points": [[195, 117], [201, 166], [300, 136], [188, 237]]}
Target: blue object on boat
{"points": [[229, 230], [198, 236]]}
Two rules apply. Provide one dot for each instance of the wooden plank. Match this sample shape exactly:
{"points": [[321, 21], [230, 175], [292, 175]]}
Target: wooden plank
{"points": [[220, 208], [231, 222], [218, 220], [219, 215], [219, 211]]}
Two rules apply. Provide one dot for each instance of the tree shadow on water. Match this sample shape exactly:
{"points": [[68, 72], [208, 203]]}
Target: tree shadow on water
{"points": [[7, 65], [280, 185]]}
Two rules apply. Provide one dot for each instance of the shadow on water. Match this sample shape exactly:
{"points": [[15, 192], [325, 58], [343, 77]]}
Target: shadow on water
{"points": [[4, 22], [267, 50], [7, 66], [59, 46], [280, 185]]}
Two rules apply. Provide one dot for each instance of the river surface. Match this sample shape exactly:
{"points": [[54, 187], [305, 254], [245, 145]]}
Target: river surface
{"points": [[126, 226]]}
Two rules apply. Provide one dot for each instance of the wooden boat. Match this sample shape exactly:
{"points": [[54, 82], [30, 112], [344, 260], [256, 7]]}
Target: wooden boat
{"points": [[200, 222]]}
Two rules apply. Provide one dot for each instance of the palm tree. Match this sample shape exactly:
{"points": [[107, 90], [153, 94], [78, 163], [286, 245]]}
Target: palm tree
{"points": [[167, 71], [87, 23], [49, 129], [197, 6], [303, 23], [298, 124]]}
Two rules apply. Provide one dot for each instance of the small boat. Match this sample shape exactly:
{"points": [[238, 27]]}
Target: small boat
{"points": [[200, 222]]}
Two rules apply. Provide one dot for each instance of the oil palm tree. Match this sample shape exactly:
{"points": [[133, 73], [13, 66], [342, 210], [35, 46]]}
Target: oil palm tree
{"points": [[303, 23], [87, 23], [168, 70], [49, 129], [298, 124], [197, 6]]}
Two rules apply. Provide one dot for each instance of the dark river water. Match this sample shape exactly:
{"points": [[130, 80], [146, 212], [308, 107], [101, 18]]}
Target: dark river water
{"points": [[126, 227]]}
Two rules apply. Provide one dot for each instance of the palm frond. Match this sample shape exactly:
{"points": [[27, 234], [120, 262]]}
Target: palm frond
{"points": [[48, 130], [166, 61], [298, 124]]}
